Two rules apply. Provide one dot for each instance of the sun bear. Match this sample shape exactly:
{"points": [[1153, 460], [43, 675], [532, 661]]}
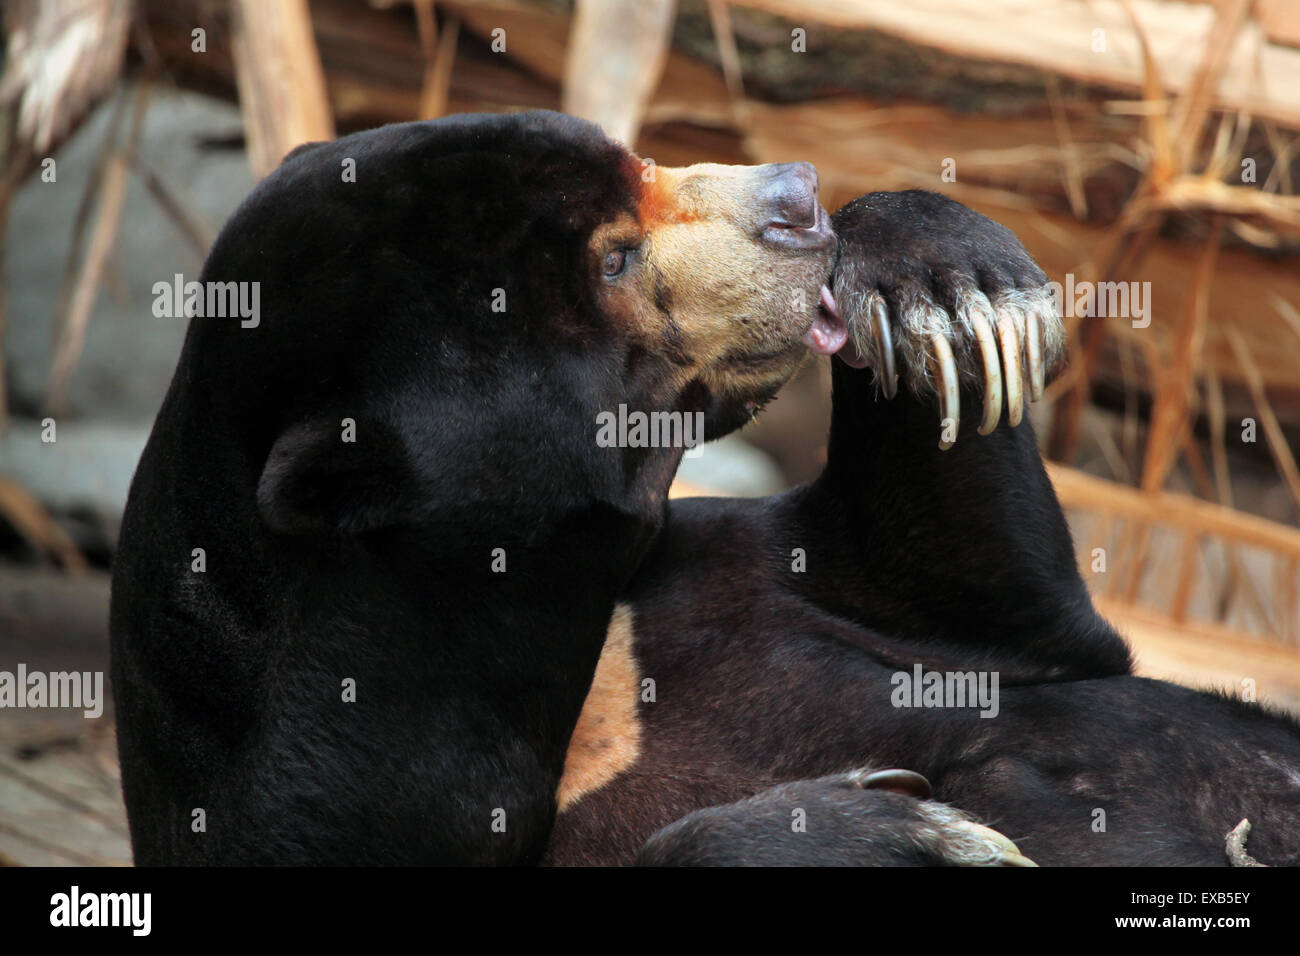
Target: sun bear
{"points": [[372, 546]]}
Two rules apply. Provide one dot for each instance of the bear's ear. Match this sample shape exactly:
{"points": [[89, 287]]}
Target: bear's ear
{"points": [[335, 476]]}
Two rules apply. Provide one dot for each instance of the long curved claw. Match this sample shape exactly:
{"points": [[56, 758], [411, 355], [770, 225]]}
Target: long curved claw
{"points": [[945, 370], [992, 373], [1001, 851], [886, 372], [899, 781], [1011, 366], [1034, 354]]}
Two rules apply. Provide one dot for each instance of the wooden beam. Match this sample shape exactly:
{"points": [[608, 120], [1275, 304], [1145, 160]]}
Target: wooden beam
{"points": [[1205, 655], [1060, 38], [1167, 509], [617, 51], [280, 79]]}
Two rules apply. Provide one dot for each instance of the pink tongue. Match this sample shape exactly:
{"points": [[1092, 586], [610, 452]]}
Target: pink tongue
{"points": [[828, 332]]}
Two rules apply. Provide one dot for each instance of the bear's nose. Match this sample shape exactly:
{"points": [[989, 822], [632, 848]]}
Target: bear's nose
{"points": [[789, 195], [786, 198]]}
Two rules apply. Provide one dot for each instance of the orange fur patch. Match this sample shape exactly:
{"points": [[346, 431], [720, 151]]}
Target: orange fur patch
{"points": [[659, 204], [607, 739]]}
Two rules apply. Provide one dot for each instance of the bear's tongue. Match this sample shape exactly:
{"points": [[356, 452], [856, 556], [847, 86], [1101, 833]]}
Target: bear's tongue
{"points": [[829, 335]]}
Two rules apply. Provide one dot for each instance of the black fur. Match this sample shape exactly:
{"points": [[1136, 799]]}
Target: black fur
{"points": [[914, 238], [850, 826], [371, 560]]}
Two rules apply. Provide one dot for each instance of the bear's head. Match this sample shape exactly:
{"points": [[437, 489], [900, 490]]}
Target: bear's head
{"points": [[473, 293], [718, 274]]}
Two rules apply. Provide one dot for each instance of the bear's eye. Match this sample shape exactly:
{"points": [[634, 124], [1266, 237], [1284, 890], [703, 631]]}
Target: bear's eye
{"points": [[615, 263]]}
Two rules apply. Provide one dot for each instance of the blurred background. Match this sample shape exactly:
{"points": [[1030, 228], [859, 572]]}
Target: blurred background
{"points": [[1133, 141]]}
